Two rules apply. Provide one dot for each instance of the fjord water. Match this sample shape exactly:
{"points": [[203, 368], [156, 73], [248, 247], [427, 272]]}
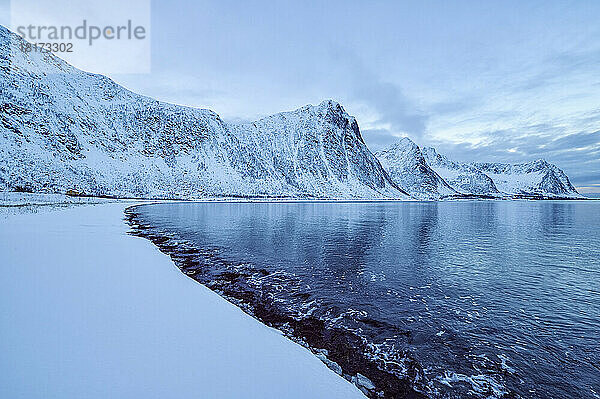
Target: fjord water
{"points": [[491, 298]]}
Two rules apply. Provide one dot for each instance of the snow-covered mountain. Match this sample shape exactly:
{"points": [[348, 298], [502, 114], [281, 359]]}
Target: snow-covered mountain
{"points": [[407, 168], [425, 174], [532, 179], [464, 178], [64, 129]]}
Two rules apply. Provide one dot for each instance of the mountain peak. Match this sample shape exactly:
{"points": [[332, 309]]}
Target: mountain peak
{"points": [[330, 104], [333, 109], [408, 169], [324, 107], [403, 144]]}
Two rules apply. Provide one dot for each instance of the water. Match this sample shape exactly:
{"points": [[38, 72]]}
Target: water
{"points": [[467, 299]]}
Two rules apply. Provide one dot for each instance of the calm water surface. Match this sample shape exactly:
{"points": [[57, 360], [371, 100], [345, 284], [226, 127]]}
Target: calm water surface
{"points": [[491, 298]]}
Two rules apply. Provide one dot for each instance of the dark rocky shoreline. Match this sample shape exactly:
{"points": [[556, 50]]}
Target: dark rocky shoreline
{"points": [[341, 350]]}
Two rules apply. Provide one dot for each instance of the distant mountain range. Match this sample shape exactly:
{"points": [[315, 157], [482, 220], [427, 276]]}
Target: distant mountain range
{"points": [[65, 130], [425, 174]]}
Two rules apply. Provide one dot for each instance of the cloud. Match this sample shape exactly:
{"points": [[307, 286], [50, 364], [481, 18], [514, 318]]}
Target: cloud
{"points": [[399, 114], [180, 89], [393, 107], [577, 154], [378, 139], [558, 66], [590, 189], [5, 12]]}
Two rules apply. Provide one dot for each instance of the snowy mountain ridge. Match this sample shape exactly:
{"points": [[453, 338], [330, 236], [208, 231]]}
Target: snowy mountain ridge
{"points": [[531, 178], [406, 165], [415, 168], [66, 130], [465, 179], [63, 129]]}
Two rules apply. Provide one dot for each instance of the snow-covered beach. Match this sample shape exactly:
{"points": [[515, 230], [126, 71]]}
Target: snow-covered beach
{"points": [[89, 311]]}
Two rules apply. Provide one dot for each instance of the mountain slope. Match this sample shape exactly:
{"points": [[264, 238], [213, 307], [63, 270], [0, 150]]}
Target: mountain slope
{"points": [[532, 179], [464, 178], [64, 129], [407, 167]]}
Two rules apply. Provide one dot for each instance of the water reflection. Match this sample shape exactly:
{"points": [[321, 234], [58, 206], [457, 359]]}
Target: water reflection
{"points": [[498, 296]]}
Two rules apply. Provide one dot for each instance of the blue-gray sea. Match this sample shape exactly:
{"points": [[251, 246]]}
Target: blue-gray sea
{"points": [[487, 298]]}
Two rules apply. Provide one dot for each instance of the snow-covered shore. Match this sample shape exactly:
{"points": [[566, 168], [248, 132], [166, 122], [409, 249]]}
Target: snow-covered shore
{"points": [[87, 311]]}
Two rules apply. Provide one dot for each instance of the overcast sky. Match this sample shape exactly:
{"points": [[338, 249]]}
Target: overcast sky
{"points": [[479, 80]]}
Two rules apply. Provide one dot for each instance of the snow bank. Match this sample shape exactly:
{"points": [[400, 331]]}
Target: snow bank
{"points": [[87, 311], [8, 198]]}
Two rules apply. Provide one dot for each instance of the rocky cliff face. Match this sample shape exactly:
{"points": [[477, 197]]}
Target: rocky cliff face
{"points": [[64, 129], [407, 167]]}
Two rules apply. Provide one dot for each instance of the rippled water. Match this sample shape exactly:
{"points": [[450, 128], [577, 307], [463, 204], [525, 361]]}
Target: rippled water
{"points": [[491, 298]]}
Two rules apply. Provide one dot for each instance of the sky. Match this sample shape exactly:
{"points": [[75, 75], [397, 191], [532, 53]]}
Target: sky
{"points": [[479, 80]]}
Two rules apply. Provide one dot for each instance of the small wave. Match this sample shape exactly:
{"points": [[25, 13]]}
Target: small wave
{"points": [[480, 384]]}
